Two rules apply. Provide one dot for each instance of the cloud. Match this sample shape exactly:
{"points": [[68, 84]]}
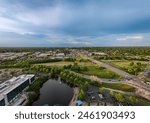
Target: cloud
{"points": [[76, 22], [20, 18], [47, 17], [43, 40], [85, 43], [82, 17], [69, 40], [131, 38]]}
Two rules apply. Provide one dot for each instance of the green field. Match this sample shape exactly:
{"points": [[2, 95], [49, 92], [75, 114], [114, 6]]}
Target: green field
{"points": [[113, 60], [86, 67], [134, 69], [124, 61], [98, 71], [119, 86], [60, 63], [63, 63]]}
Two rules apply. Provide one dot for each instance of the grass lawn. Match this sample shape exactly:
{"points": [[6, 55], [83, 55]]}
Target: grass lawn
{"points": [[143, 101], [99, 71], [63, 63], [124, 61], [139, 101], [134, 100], [119, 86], [113, 60], [126, 66], [60, 63], [85, 63]]}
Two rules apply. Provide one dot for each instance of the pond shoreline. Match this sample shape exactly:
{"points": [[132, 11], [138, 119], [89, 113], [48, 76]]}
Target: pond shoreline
{"points": [[54, 92], [76, 91]]}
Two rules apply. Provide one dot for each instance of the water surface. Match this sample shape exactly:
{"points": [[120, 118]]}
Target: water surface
{"points": [[54, 92]]}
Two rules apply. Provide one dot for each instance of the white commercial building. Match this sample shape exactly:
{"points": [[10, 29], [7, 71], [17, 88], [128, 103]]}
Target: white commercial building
{"points": [[13, 87]]}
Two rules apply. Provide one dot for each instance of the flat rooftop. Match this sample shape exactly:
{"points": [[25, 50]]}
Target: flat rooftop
{"points": [[12, 83]]}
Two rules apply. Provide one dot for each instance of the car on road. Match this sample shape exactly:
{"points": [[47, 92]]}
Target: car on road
{"points": [[93, 97], [90, 92], [100, 96]]}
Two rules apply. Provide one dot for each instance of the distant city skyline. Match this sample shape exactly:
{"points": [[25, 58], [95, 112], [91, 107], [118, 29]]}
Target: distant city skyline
{"points": [[62, 23]]}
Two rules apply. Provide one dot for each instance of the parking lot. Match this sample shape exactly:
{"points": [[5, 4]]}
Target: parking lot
{"points": [[92, 94], [94, 97]]}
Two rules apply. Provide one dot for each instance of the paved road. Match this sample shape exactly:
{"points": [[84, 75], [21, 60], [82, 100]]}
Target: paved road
{"points": [[135, 81], [145, 73], [123, 92], [133, 78], [95, 78], [116, 70]]}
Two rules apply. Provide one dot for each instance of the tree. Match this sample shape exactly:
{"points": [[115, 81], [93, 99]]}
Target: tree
{"points": [[133, 100], [131, 63], [47, 70], [32, 96], [81, 95], [86, 84], [111, 93], [50, 74], [101, 90], [149, 75], [120, 97], [138, 63]]}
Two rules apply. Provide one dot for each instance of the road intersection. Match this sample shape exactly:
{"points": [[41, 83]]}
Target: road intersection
{"points": [[143, 88]]}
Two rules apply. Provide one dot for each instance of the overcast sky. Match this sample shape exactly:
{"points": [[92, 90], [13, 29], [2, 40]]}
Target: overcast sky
{"points": [[74, 23]]}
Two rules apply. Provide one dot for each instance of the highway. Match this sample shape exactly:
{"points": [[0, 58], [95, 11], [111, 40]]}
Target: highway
{"points": [[130, 79], [107, 66]]}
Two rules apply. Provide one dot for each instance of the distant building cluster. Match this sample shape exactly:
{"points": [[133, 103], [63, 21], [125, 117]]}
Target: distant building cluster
{"points": [[56, 54], [11, 55], [88, 53], [11, 91]]}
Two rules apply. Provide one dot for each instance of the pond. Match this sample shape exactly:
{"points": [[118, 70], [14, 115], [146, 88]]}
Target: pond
{"points": [[54, 92]]}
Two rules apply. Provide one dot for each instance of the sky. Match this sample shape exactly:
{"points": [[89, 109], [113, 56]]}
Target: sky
{"points": [[67, 23]]}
